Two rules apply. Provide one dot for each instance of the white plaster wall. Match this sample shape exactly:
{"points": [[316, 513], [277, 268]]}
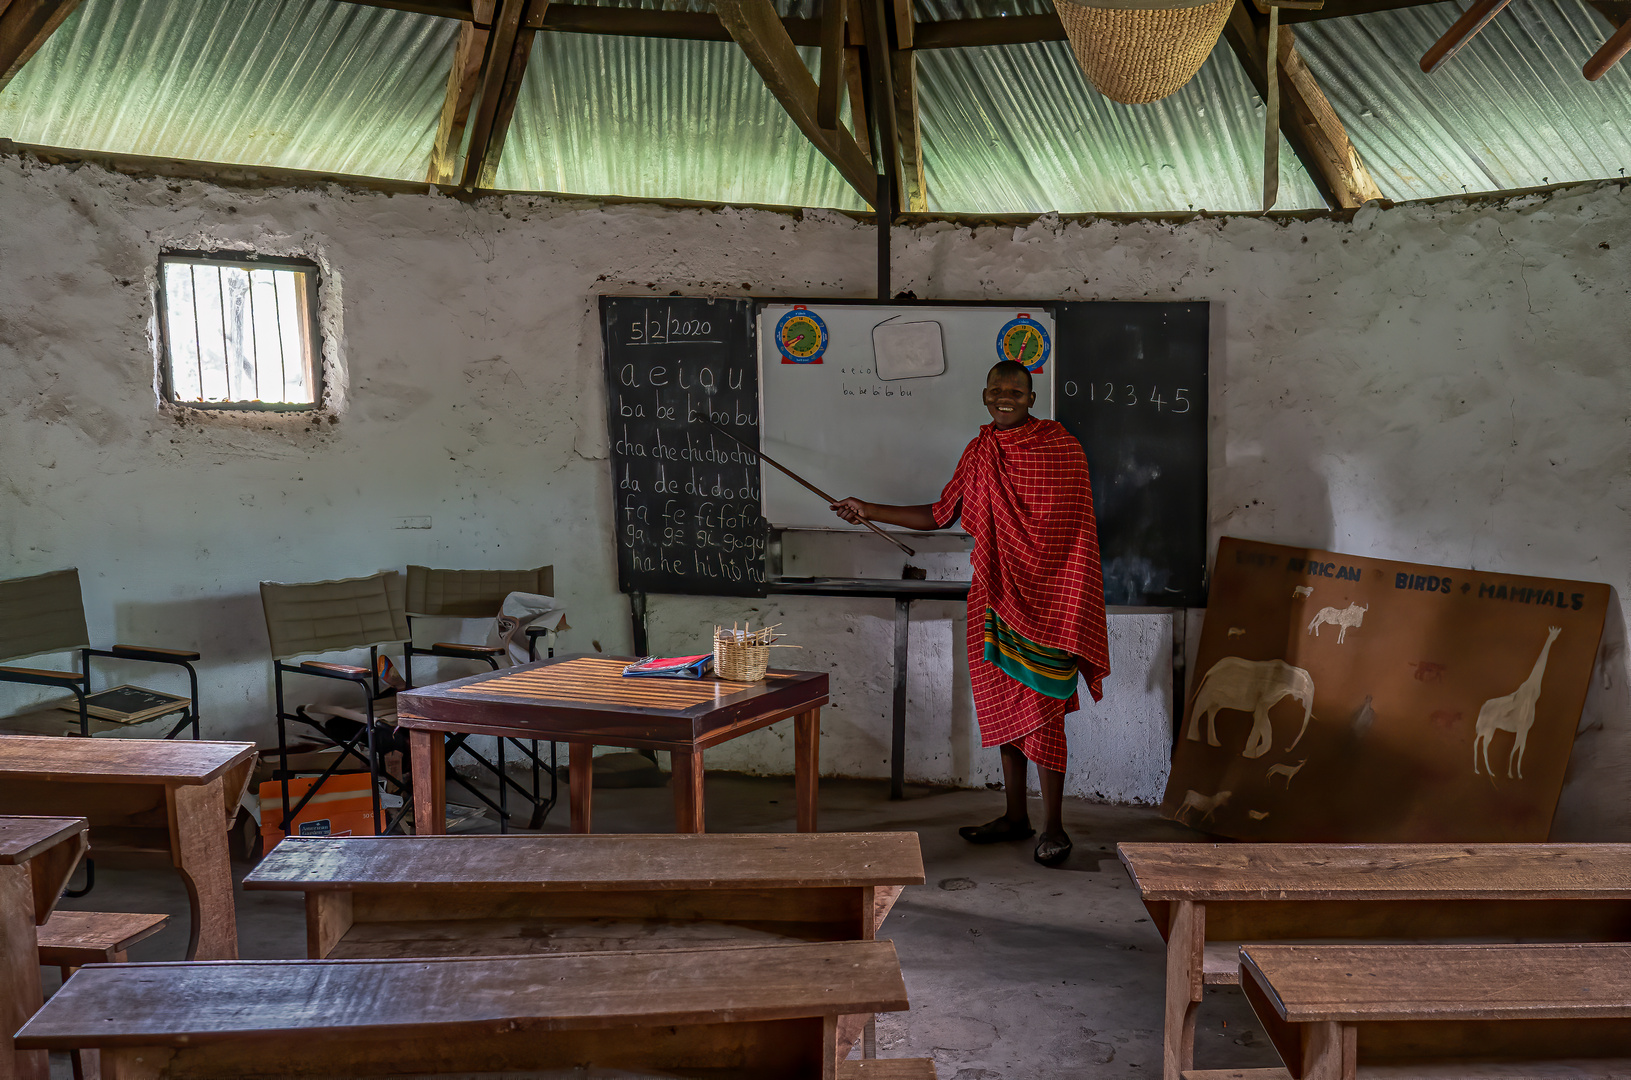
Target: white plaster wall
{"points": [[1443, 384]]}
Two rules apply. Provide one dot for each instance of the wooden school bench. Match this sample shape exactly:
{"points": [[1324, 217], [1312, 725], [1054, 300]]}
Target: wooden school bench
{"points": [[1206, 899], [174, 798], [1386, 1011], [733, 1012], [37, 856], [397, 896]]}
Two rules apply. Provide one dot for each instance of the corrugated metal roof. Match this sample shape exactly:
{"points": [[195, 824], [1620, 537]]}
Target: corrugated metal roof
{"points": [[655, 118], [295, 84], [1016, 128], [1510, 110], [338, 87]]}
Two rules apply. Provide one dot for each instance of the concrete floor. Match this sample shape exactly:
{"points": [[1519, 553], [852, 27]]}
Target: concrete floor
{"points": [[1014, 970]]}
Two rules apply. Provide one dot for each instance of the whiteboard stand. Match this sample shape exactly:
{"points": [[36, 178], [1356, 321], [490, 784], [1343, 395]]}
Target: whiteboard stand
{"points": [[903, 592]]}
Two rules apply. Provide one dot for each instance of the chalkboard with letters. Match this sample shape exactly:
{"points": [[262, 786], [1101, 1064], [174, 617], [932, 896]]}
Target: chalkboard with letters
{"points": [[1130, 381], [687, 514]]}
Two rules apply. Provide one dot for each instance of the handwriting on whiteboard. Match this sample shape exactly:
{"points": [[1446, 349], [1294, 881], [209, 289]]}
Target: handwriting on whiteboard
{"points": [[1113, 393]]}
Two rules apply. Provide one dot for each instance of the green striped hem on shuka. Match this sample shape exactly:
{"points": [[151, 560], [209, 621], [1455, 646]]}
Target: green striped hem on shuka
{"points": [[1045, 670]]}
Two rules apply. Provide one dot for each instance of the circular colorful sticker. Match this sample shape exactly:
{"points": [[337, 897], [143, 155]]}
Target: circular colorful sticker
{"points": [[1024, 341], [801, 337]]}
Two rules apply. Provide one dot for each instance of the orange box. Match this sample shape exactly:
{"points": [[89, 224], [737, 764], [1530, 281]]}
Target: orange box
{"points": [[341, 807]]}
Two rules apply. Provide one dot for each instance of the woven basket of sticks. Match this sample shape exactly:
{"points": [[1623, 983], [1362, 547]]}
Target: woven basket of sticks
{"points": [[1137, 51], [742, 655]]}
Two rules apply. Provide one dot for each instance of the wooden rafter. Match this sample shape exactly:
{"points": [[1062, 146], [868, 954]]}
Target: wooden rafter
{"points": [[916, 194], [1309, 123], [758, 30], [831, 86], [504, 62], [24, 27], [462, 81], [855, 79]]}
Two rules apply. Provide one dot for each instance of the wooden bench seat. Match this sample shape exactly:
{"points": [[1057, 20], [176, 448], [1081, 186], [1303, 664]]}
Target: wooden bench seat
{"points": [[721, 1012], [72, 939], [1329, 1009], [1207, 898], [503, 895]]}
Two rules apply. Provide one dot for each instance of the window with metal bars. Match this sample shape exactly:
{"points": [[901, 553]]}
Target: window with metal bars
{"points": [[240, 333]]}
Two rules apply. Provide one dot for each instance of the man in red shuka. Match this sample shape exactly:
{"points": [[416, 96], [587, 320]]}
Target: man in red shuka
{"points": [[1036, 608]]}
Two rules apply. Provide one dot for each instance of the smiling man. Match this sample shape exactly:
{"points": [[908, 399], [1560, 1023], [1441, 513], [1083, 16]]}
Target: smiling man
{"points": [[1036, 608]]}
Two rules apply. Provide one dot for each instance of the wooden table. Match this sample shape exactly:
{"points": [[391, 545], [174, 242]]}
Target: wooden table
{"points": [[1206, 899], [585, 701], [37, 855], [176, 798], [1455, 1010], [726, 1012]]}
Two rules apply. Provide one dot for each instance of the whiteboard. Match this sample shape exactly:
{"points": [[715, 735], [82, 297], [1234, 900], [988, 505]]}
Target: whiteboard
{"points": [[849, 432]]}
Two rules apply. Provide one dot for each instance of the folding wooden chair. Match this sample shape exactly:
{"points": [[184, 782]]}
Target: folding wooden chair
{"points": [[479, 594], [315, 618], [46, 614]]}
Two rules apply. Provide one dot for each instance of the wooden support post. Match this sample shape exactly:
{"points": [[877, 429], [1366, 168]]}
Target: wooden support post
{"points": [[462, 79], [198, 839], [911, 131], [24, 27], [831, 87], [1612, 52], [1330, 1051], [1307, 120], [855, 80], [429, 752], [504, 63], [328, 917], [757, 28]]}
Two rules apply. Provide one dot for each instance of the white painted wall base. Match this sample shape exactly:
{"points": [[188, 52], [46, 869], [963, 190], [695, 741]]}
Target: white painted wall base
{"points": [[1434, 383]]}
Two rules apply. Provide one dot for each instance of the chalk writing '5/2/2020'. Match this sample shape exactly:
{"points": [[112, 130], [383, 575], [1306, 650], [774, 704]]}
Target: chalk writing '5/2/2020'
{"points": [[1110, 393]]}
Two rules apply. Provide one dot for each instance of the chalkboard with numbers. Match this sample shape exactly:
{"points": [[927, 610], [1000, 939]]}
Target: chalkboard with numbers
{"points": [[687, 512], [1129, 381]]}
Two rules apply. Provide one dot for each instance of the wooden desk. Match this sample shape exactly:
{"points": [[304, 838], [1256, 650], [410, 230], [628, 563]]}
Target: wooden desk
{"points": [[1463, 1010], [176, 798], [1206, 899], [37, 854], [585, 701], [721, 1012]]}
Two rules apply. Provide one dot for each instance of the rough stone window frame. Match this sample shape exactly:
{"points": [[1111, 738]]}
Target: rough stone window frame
{"points": [[314, 344]]}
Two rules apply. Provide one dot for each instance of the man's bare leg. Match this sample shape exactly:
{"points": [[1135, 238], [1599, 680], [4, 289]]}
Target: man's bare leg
{"points": [[1015, 823], [1053, 846]]}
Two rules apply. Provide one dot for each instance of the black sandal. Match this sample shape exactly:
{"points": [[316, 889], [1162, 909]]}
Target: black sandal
{"points": [[997, 831], [1053, 849]]}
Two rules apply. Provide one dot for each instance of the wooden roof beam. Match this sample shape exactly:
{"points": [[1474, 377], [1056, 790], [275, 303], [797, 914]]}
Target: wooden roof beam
{"points": [[462, 80], [1310, 125], [759, 31], [504, 62], [24, 27]]}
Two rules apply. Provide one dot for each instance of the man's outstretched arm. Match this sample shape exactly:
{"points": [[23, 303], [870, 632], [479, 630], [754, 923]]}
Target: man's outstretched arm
{"points": [[917, 518]]}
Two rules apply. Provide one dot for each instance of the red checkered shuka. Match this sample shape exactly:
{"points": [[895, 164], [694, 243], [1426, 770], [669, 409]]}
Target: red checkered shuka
{"points": [[1024, 496]]}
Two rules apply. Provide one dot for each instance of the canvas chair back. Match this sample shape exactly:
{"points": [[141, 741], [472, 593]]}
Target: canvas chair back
{"points": [[471, 594], [41, 614], [330, 616]]}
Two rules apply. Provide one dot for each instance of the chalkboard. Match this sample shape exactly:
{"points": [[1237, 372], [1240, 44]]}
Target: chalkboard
{"points": [[687, 508], [1130, 381]]}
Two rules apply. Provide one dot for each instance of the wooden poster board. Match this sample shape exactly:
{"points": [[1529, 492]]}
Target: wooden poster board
{"points": [[1406, 676]]}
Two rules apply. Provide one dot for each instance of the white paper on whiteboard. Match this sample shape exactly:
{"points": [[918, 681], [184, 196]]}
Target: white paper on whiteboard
{"points": [[912, 350]]}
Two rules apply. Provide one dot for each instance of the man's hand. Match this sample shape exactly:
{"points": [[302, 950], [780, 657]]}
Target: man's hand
{"points": [[853, 511]]}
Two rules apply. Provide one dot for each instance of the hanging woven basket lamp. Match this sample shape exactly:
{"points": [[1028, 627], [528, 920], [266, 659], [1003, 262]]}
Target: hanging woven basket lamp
{"points": [[1137, 51]]}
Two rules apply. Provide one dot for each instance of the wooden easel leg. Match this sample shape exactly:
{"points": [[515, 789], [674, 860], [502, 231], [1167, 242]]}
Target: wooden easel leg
{"points": [[1186, 944], [429, 752], [1330, 1051], [581, 782], [689, 814], [20, 992], [198, 847], [807, 766]]}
